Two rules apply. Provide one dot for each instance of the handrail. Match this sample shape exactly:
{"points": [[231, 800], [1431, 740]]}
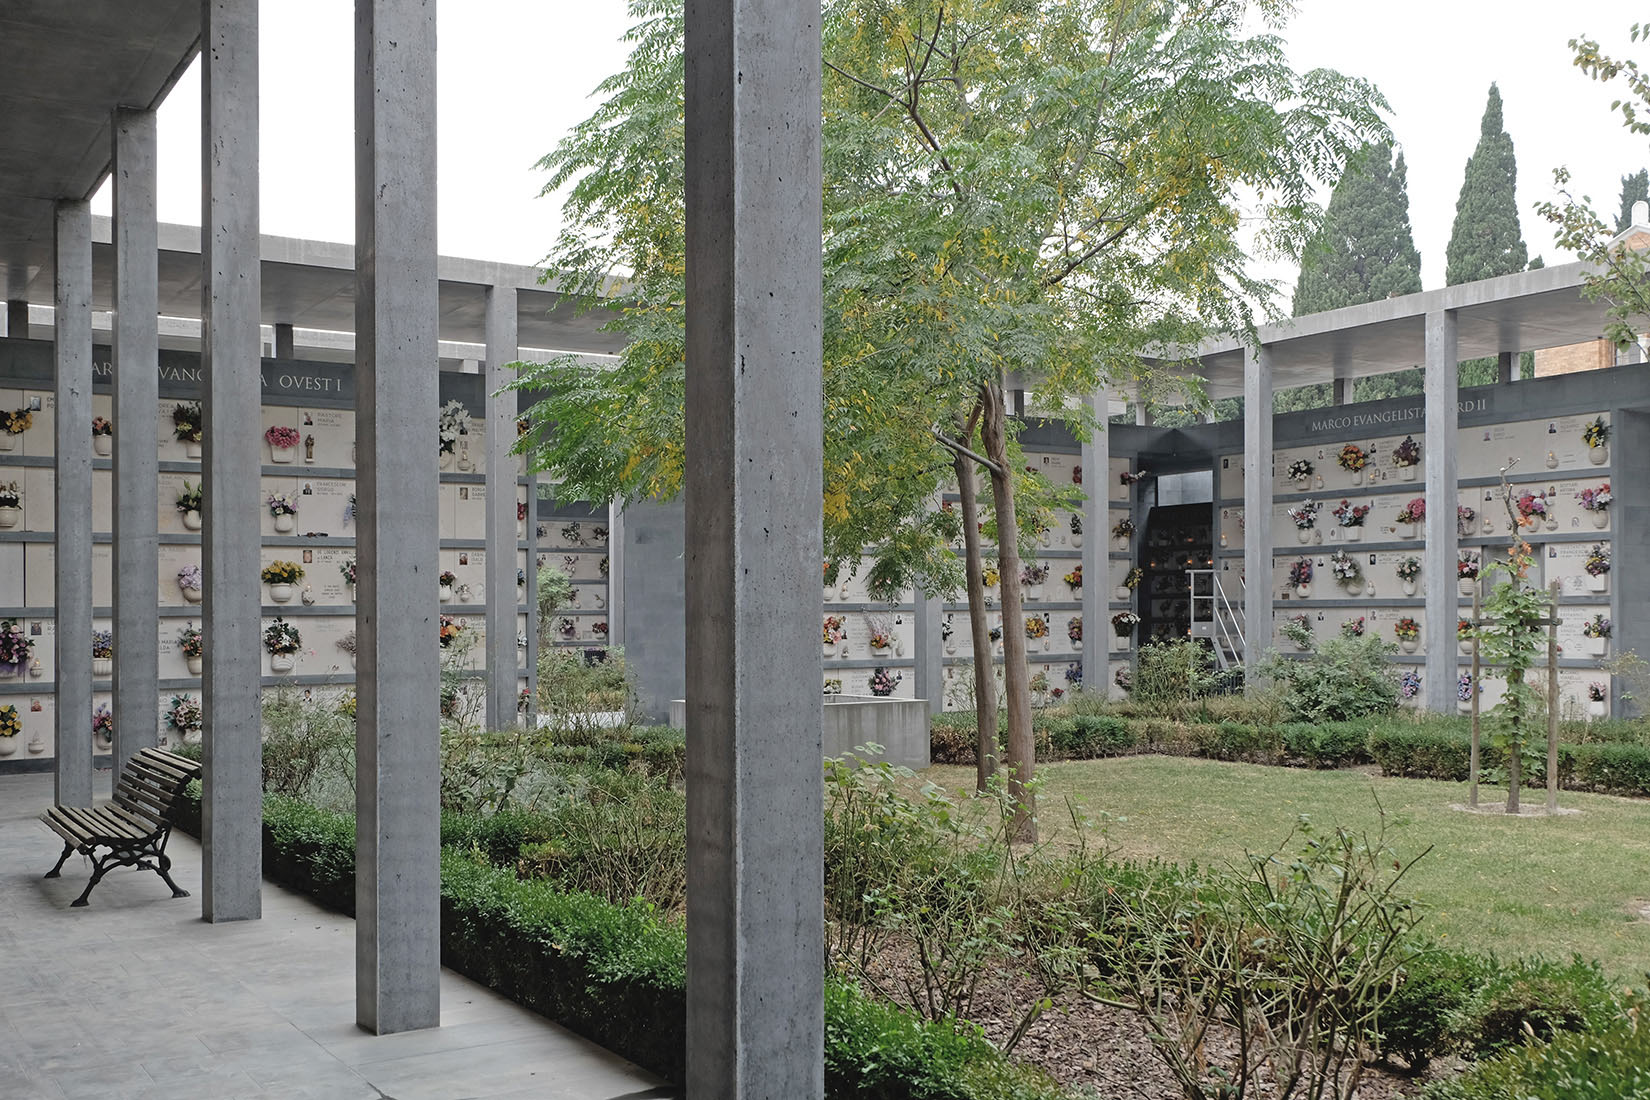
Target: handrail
{"points": [[1228, 625]]}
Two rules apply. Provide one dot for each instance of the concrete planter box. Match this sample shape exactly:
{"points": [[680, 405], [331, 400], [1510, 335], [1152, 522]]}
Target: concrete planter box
{"points": [[900, 726]]}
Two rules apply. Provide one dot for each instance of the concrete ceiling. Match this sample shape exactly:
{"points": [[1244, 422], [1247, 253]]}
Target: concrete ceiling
{"points": [[64, 67], [1526, 311]]}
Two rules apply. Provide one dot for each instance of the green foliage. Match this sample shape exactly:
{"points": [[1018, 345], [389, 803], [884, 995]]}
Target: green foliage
{"points": [[1326, 744], [1174, 672], [618, 835], [1621, 275], [1297, 956], [1486, 241], [1611, 1063], [1092, 160], [1634, 188], [1419, 1021], [306, 743], [1365, 251], [1344, 678], [572, 691], [1535, 998]]}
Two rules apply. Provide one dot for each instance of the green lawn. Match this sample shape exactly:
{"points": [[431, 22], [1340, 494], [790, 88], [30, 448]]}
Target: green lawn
{"points": [[1547, 886]]}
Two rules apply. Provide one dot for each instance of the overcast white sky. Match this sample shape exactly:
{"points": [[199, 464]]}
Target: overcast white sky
{"points": [[515, 75]]}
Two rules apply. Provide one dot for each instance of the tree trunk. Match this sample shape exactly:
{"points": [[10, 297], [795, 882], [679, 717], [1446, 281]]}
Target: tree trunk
{"points": [[985, 691], [1022, 748], [1515, 745]]}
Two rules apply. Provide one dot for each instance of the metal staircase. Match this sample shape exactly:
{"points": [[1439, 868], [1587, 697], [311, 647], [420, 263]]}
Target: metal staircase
{"points": [[1214, 619]]}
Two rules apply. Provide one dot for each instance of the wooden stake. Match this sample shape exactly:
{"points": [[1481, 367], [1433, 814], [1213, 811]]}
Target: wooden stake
{"points": [[1472, 760], [1552, 698]]}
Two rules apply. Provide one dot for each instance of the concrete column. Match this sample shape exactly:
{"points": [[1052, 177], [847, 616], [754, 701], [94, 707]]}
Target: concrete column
{"points": [[1096, 461], [500, 467], [1504, 366], [17, 321], [397, 819], [755, 1023], [72, 508], [929, 650], [136, 462], [1438, 555], [532, 601], [1257, 505], [1343, 391], [231, 344], [615, 573], [283, 341]]}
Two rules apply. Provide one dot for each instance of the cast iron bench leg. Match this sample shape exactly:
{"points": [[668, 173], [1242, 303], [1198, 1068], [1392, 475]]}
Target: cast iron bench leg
{"points": [[68, 849], [162, 869]]}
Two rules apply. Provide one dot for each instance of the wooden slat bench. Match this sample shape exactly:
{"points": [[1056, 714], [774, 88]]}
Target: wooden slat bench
{"points": [[134, 826]]}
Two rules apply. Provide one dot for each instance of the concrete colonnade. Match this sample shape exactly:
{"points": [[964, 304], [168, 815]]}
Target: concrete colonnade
{"points": [[136, 462], [754, 544], [1257, 506], [232, 453], [500, 468], [1438, 555], [72, 505]]}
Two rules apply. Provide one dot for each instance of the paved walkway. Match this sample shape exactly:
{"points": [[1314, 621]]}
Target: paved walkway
{"points": [[136, 997]]}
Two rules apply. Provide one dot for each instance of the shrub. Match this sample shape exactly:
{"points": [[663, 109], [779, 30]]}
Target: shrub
{"points": [[1329, 745], [617, 835], [1089, 736], [1345, 678], [1233, 741], [1174, 672], [1535, 998], [1610, 768], [1419, 752], [1418, 1022], [1612, 1063]]}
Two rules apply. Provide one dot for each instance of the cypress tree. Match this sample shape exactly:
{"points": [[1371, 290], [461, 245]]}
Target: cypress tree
{"points": [[1365, 250], [1486, 240], [1634, 188]]}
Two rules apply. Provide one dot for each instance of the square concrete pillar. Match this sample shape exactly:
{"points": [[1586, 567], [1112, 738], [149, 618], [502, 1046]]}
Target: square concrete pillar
{"points": [[1438, 556], [615, 573], [283, 341], [72, 508], [1344, 388], [136, 460], [1257, 507], [500, 467], [231, 345], [754, 541], [17, 319], [398, 683], [928, 650], [1096, 461]]}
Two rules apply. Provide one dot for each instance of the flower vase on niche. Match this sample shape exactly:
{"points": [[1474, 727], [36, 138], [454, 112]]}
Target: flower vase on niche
{"points": [[283, 443]]}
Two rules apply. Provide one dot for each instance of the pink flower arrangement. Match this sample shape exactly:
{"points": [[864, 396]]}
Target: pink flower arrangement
{"points": [[282, 438]]}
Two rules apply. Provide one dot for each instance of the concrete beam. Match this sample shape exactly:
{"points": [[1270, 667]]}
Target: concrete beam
{"points": [[1438, 555], [500, 467], [284, 347], [1096, 461], [17, 312], [72, 508], [136, 461], [755, 1023], [397, 745], [1257, 506], [231, 344]]}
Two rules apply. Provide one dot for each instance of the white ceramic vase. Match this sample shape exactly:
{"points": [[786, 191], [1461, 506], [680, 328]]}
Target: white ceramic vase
{"points": [[1354, 534], [192, 520], [1409, 645], [192, 595], [102, 666], [284, 523], [10, 516], [1303, 535], [1601, 518], [280, 662], [191, 448], [282, 455], [1599, 583], [445, 592], [280, 593], [1597, 708], [1406, 473], [194, 664], [102, 445], [1599, 455]]}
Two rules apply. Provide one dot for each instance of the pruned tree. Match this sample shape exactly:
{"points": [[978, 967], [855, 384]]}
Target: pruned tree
{"points": [[1018, 193]]}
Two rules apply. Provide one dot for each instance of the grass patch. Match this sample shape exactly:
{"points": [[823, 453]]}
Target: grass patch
{"points": [[1548, 887]]}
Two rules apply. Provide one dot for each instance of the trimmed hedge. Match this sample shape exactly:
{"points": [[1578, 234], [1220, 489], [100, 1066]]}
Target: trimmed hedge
{"points": [[617, 974], [1417, 750], [1611, 1063]]}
